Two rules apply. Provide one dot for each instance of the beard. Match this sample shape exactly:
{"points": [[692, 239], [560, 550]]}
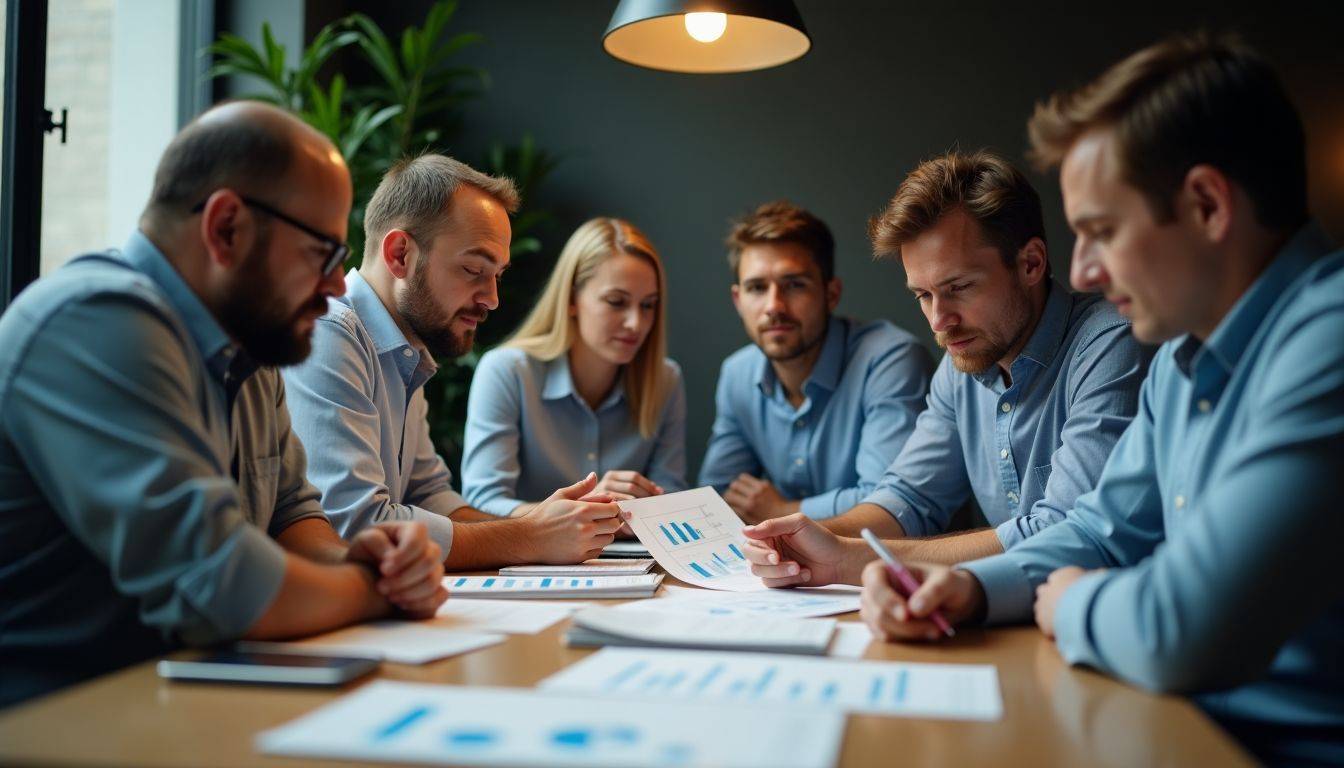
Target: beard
{"points": [[258, 317], [805, 343], [431, 324], [990, 345]]}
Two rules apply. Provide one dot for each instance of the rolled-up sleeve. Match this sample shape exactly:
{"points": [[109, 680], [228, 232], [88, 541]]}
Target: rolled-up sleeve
{"points": [[105, 409], [895, 392], [928, 481], [331, 401], [1103, 393]]}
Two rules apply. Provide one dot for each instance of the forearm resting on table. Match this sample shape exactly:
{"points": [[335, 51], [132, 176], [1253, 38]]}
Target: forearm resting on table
{"points": [[314, 539], [472, 515], [316, 598], [949, 548], [490, 544], [870, 516]]}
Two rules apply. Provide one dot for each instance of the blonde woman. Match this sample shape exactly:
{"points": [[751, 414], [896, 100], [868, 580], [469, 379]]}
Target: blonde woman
{"points": [[583, 385]]}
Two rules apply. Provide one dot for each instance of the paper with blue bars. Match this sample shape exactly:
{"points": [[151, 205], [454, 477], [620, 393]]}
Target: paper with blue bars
{"points": [[951, 691], [387, 721], [696, 537]]}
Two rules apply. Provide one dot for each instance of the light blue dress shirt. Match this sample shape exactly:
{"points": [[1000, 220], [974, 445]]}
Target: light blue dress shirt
{"points": [[1219, 520], [863, 395], [122, 532], [529, 432], [1028, 450], [358, 403]]}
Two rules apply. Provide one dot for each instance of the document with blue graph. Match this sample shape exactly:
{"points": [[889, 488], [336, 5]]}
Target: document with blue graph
{"points": [[388, 721], [696, 537], [950, 691], [552, 587]]}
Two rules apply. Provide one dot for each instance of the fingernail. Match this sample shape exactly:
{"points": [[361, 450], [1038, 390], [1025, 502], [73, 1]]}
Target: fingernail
{"points": [[917, 605], [793, 570], [899, 613], [807, 575]]}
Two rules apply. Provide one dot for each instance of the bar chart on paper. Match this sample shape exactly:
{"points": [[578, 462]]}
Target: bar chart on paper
{"points": [[696, 537]]}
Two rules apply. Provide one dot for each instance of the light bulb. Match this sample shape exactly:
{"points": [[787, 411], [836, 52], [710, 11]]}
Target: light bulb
{"points": [[706, 27]]}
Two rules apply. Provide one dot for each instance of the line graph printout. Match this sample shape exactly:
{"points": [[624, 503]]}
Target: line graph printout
{"points": [[696, 537], [746, 680]]}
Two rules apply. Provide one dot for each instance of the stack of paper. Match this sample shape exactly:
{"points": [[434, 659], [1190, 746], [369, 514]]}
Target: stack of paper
{"points": [[623, 567], [624, 549], [957, 691], [603, 626], [404, 642], [558, 587], [437, 724]]}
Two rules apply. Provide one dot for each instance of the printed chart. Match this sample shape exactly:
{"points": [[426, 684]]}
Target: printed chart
{"points": [[953, 691], [388, 721], [696, 537]]}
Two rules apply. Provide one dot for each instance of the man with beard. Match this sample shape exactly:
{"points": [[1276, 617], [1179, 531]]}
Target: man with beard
{"points": [[151, 494], [813, 411], [1037, 385], [436, 242]]}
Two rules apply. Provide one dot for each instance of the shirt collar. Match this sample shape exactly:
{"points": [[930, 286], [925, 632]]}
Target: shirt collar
{"points": [[1045, 339], [215, 345], [559, 384], [1234, 332], [828, 368], [413, 365]]}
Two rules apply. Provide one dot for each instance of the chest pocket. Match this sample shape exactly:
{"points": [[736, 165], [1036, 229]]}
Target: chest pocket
{"points": [[257, 490], [1042, 477]]}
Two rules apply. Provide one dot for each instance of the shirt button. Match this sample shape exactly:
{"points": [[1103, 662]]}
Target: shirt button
{"points": [[1003, 454], [1204, 406], [1005, 407], [1180, 502], [799, 423], [407, 352], [798, 461], [1012, 497], [592, 457]]}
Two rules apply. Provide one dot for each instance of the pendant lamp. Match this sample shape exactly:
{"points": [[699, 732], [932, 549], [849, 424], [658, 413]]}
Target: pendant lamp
{"points": [[706, 36]]}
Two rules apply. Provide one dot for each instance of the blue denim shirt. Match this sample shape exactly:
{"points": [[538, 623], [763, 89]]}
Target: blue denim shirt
{"points": [[863, 395], [358, 403], [529, 432], [122, 532], [1218, 520], [1028, 450]]}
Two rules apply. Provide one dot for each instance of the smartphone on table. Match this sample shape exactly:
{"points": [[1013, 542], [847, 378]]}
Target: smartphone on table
{"points": [[235, 666]]}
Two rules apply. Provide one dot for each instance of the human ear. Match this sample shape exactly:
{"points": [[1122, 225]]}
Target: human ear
{"points": [[220, 225], [398, 250], [1207, 195]]}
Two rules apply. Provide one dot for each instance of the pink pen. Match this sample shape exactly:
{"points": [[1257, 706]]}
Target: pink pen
{"points": [[903, 579]]}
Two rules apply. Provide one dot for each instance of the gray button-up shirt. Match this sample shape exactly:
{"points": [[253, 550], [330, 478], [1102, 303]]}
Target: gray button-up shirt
{"points": [[358, 403], [122, 531], [1028, 450]]}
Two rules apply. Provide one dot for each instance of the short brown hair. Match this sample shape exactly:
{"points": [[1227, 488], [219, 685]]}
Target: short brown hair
{"points": [[414, 195], [987, 187], [1188, 101], [783, 222]]}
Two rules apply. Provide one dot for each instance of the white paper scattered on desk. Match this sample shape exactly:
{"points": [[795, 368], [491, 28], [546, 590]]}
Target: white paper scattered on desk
{"points": [[516, 617], [696, 537], [782, 603], [623, 567], [680, 630], [953, 691], [851, 640], [404, 642], [438, 724], [507, 587]]}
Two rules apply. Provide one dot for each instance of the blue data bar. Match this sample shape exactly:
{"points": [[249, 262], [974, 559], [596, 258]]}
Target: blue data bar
{"points": [[401, 723], [668, 534], [701, 571], [736, 551]]}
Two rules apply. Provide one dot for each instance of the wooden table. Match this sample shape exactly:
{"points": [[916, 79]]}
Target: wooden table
{"points": [[1053, 715]]}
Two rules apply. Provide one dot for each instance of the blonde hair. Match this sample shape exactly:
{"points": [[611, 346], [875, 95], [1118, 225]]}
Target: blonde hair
{"points": [[549, 330]]}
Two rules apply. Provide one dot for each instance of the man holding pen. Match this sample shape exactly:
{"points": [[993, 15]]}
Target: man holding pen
{"points": [[1203, 563]]}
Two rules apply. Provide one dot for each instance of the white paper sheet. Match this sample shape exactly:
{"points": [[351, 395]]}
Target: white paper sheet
{"points": [[782, 603], [851, 640], [404, 642], [516, 617], [552, 587], [762, 633], [696, 537], [437, 724], [952, 691], [625, 567]]}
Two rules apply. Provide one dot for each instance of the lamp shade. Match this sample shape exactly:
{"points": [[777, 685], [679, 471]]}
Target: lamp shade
{"points": [[706, 36]]}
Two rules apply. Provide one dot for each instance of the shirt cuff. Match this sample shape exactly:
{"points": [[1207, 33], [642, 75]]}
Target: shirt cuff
{"points": [[234, 586], [1008, 593], [911, 522], [1071, 620], [500, 506], [819, 507], [1009, 534], [440, 528]]}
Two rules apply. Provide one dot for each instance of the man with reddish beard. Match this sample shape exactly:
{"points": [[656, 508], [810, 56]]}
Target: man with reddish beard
{"points": [[1037, 385], [151, 493], [436, 244]]}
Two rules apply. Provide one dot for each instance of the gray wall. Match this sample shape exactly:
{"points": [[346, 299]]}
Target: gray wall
{"points": [[886, 84]]}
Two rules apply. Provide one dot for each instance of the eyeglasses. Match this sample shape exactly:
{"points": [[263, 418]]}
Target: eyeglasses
{"points": [[337, 250]]}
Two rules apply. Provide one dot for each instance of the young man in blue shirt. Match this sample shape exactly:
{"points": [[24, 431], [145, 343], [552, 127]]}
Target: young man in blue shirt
{"points": [[1037, 385], [1203, 561], [813, 410]]}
